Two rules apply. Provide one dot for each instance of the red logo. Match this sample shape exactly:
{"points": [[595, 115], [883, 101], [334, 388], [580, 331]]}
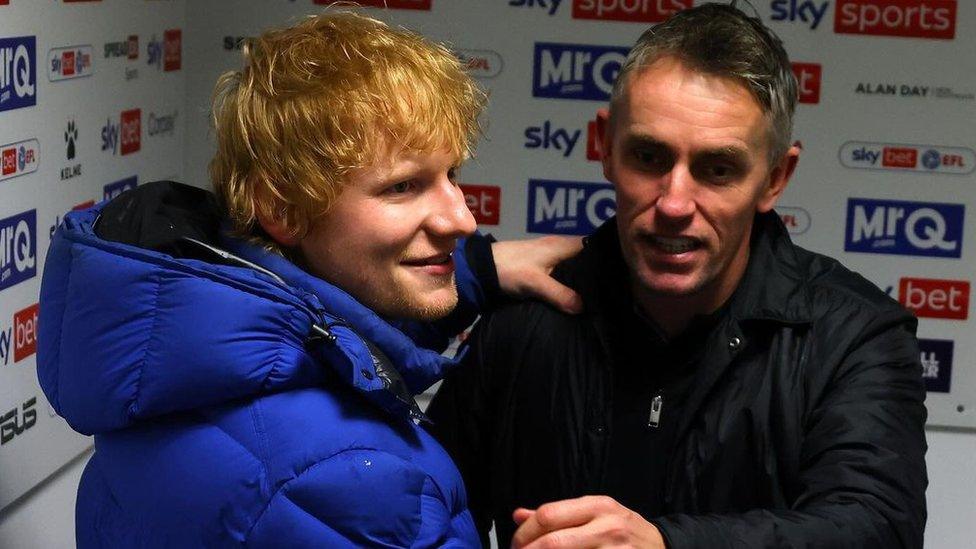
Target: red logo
{"points": [[484, 201], [172, 50], [4, 2], [640, 11], [392, 4], [927, 297], [592, 150], [808, 81], [131, 131], [84, 205], [25, 333], [68, 63], [9, 161], [899, 157], [911, 18], [133, 42]]}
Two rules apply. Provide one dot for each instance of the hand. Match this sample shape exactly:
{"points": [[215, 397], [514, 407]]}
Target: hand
{"points": [[589, 521], [524, 265]]}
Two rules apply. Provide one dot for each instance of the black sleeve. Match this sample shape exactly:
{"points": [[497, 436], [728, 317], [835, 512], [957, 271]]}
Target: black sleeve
{"points": [[862, 468]]}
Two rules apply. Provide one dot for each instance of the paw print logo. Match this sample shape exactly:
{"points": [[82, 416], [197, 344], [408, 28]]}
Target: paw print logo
{"points": [[70, 136]]}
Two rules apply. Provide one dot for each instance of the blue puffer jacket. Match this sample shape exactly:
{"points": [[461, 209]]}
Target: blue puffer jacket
{"points": [[224, 416]]}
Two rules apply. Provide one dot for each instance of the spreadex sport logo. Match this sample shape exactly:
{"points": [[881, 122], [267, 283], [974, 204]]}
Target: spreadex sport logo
{"points": [[20, 339], [910, 18], [575, 71], [936, 359], [128, 48], [18, 242], [17, 420], [915, 158], [128, 132], [797, 220], [485, 203], [168, 54], [113, 190], [569, 207], [19, 158], [927, 229], [808, 77], [391, 4], [935, 298], [481, 63], [69, 62], [18, 72]]}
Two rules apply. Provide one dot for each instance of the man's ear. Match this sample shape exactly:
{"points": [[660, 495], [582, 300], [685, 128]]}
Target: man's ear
{"points": [[277, 229], [603, 139], [779, 177]]}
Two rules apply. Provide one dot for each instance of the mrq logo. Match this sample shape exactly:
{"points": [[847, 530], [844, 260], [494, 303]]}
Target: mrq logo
{"points": [[18, 72], [904, 228], [569, 207], [573, 71], [18, 242]]}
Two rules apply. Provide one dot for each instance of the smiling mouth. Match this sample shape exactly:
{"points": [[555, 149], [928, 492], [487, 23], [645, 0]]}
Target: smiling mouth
{"points": [[441, 259], [674, 244]]}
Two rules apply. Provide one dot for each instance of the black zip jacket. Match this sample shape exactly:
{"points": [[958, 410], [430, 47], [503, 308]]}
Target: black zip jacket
{"points": [[803, 427]]}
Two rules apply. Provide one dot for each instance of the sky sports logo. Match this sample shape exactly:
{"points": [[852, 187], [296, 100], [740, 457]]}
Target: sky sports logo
{"points": [[568, 207], [900, 157], [485, 203], [391, 4], [935, 298], [18, 242], [575, 71], [69, 62], [128, 132], [18, 72], [20, 340], [936, 359], [935, 19], [927, 229], [635, 11], [113, 190], [19, 158]]}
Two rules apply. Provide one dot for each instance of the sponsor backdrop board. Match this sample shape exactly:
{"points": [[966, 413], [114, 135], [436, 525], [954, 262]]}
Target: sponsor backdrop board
{"points": [[886, 181], [91, 103]]}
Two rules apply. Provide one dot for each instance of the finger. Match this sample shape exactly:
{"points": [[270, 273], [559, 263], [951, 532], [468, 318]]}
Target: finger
{"points": [[556, 516], [579, 537], [522, 514], [556, 294]]}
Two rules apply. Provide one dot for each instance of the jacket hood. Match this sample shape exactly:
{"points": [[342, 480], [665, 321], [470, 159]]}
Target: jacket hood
{"points": [[172, 315]]}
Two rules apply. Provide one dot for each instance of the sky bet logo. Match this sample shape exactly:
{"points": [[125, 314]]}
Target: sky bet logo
{"points": [[936, 359], [911, 18], [808, 76], [547, 137], [18, 72], [484, 201], [22, 336], [129, 132], [18, 240], [568, 207], [113, 190], [904, 228], [934, 298], [916, 158], [19, 158], [806, 11], [168, 54], [572, 71]]}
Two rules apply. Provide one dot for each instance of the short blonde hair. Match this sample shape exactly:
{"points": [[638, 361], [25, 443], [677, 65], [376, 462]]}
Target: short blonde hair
{"points": [[326, 96]]}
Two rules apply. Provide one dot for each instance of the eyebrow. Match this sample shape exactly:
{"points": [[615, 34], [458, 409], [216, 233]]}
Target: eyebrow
{"points": [[731, 152]]}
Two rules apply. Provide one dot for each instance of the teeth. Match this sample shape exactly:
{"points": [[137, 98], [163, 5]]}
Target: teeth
{"points": [[675, 245]]}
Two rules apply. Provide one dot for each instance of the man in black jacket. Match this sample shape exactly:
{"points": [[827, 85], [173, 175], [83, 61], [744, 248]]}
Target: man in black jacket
{"points": [[724, 388]]}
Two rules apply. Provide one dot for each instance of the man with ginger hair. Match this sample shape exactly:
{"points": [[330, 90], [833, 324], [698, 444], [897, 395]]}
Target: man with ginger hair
{"points": [[237, 357]]}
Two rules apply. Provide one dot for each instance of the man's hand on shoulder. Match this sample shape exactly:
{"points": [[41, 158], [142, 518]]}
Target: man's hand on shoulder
{"points": [[524, 268], [589, 521]]}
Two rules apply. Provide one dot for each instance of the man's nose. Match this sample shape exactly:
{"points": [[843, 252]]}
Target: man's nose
{"points": [[677, 198], [450, 216]]}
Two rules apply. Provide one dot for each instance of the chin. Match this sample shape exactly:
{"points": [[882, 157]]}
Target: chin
{"points": [[406, 302]]}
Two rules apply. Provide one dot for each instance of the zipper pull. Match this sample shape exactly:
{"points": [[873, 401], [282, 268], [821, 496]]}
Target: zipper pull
{"points": [[657, 404]]}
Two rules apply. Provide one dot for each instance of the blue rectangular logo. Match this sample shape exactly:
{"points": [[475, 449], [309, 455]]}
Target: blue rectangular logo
{"points": [[569, 207], [930, 229], [18, 72], [113, 190], [936, 358], [574, 71], [18, 248]]}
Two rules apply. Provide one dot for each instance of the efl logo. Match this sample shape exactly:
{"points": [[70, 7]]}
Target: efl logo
{"points": [[638, 11], [19, 158], [808, 77], [392, 4], [573, 71], [936, 359], [569, 207], [481, 63], [70, 62], [796, 220], [25, 333], [897, 227], [911, 18], [18, 240], [933, 298], [18, 72], [17, 420], [806, 11], [547, 137], [113, 190], [918, 158], [485, 203]]}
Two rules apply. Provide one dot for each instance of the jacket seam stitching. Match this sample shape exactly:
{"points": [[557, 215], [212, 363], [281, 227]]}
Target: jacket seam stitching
{"points": [[134, 403]]}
